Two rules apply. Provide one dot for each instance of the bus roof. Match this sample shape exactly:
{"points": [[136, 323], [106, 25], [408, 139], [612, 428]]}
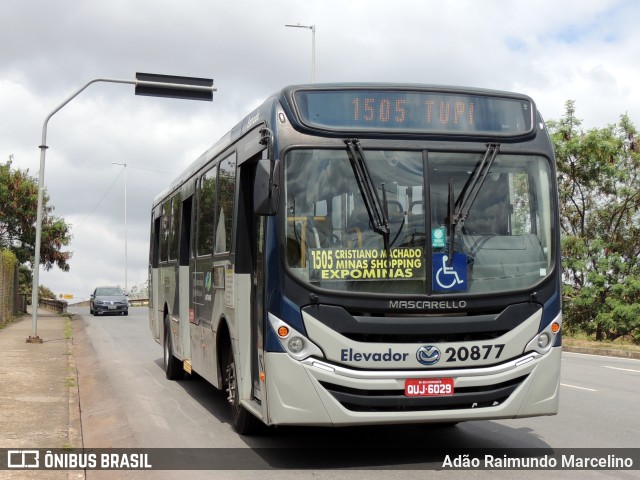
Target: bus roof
{"points": [[379, 109]]}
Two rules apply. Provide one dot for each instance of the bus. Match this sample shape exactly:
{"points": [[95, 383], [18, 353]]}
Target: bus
{"points": [[354, 254]]}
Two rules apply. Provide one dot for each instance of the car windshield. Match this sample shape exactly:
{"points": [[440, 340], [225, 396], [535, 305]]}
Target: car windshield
{"points": [[332, 242], [109, 292]]}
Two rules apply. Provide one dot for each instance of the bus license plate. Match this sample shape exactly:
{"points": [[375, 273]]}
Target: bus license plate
{"points": [[428, 387]]}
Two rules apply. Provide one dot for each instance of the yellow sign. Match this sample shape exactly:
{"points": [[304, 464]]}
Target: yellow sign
{"points": [[365, 264], [67, 296]]}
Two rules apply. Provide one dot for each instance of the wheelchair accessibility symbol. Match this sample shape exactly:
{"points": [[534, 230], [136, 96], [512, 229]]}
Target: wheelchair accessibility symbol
{"points": [[449, 277]]}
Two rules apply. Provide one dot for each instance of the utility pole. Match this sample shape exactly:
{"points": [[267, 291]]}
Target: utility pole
{"points": [[148, 84], [313, 47]]}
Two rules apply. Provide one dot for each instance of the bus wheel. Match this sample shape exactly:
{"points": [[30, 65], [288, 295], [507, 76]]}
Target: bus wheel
{"points": [[172, 367], [243, 421]]}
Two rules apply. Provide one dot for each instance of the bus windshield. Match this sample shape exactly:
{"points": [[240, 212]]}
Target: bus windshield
{"points": [[333, 239]]}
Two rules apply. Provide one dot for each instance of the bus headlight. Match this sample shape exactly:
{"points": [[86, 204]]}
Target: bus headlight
{"points": [[545, 339], [294, 343]]}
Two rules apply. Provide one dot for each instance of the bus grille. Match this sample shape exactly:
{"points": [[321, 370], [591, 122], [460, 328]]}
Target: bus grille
{"points": [[485, 396], [368, 327]]}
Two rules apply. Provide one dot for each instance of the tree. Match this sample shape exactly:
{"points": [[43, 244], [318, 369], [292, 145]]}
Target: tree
{"points": [[599, 193], [45, 292], [18, 209], [139, 291]]}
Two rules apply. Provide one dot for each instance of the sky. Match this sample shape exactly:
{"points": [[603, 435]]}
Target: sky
{"points": [[552, 51]]}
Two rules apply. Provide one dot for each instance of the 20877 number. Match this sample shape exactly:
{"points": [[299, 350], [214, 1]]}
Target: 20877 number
{"points": [[477, 352]]}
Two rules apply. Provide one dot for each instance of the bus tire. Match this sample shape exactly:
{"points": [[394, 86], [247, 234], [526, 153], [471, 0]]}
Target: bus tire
{"points": [[242, 420], [172, 366]]}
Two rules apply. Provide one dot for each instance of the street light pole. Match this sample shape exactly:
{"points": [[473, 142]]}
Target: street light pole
{"points": [[313, 47], [124, 165], [145, 84]]}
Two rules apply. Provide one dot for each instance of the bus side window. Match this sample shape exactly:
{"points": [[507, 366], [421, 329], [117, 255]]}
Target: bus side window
{"points": [[154, 255], [185, 232], [176, 208], [226, 194], [205, 212], [165, 231]]}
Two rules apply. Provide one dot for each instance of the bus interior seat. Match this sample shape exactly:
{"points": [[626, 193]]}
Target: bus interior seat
{"points": [[293, 252], [304, 233], [416, 208], [322, 232]]}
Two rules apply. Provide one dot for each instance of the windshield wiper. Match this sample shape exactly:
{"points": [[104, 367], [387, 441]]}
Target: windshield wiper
{"points": [[459, 212], [377, 211]]}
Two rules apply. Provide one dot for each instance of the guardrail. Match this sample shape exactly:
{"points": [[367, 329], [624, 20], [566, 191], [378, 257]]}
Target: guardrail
{"points": [[138, 302], [59, 306], [133, 302]]}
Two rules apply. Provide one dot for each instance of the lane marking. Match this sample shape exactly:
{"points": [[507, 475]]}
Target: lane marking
{"points": [[579, 388], [621, 369]]}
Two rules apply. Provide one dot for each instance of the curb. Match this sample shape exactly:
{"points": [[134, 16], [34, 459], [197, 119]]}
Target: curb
{"points": [[608, 352], [75, 422]]}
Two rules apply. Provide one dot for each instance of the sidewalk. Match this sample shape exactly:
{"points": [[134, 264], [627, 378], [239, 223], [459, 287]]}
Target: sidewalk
{"points": [[38, 389]]}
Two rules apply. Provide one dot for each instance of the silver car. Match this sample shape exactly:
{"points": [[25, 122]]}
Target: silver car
{"points": [[108, 301]]}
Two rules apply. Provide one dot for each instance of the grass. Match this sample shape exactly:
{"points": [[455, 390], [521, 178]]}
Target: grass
{"points": [[5, 322], [67, 328]]}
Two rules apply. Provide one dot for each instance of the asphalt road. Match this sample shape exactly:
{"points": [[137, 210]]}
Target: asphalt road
{"points": [[127, 402]]}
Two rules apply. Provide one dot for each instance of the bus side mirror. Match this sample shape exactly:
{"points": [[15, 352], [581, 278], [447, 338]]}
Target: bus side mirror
{"points": [[266, 191]]}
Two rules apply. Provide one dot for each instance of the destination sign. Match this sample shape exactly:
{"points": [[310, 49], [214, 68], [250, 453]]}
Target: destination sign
{"points": [[415, 112], [365, 264]]}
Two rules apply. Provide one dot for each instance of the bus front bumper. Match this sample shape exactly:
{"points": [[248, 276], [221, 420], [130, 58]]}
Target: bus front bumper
{"points": [[315, 392]]}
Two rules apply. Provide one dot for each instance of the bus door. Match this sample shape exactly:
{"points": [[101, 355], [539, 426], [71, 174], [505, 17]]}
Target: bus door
{"points": [[155, 318], [257, 309], [201, 298], [200, 273], [184, 273], [250, 258]]}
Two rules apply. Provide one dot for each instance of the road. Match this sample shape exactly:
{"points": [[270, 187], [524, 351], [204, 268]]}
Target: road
{"points": [[127, 402]]}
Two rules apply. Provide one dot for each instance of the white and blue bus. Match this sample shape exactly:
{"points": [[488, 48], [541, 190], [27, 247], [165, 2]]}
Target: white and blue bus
{"points": [[356, 254]]}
